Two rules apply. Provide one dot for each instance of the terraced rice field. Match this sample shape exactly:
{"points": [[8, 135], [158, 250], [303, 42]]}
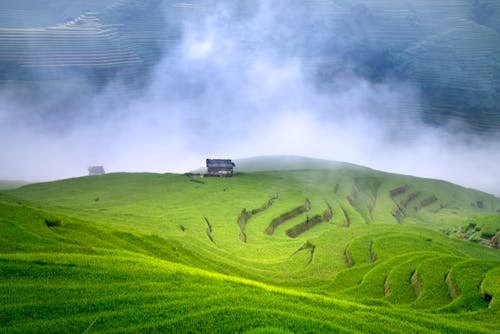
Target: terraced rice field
{"points": [[37, 14], [110, 34], [449, 49], [160, 252], [83, 41]]}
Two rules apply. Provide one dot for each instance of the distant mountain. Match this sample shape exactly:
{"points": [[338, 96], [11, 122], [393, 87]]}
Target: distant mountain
{"points": [[10, 184], [449, 49], [287, 162]]}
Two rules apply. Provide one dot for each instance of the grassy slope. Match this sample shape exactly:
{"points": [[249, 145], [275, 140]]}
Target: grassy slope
{"points": [[135, 252]]}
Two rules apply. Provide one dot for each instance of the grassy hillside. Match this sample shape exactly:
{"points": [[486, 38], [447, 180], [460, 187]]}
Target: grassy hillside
{"points": [[322, 249]]}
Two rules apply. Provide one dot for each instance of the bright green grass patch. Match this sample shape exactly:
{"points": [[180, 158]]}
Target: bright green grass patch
{"points": [[432, 274], [468, 277], [490, 288], [142, 295], [95, 252], [397, 286]]}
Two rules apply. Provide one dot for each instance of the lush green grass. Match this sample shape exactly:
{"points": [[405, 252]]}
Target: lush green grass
{"points": [[132, 252], [146, 294]]}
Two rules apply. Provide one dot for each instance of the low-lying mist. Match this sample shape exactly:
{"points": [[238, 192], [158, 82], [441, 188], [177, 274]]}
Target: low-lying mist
{"points": [[237, 86]]}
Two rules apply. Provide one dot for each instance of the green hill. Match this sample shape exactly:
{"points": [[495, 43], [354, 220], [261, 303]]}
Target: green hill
{"points": [[325, 249]]}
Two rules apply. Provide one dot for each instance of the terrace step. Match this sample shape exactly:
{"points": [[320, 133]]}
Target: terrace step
{"points": [[467, 279]]}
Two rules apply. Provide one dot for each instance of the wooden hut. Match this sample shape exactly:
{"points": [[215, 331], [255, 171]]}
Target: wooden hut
{"points": [[220, 167]]}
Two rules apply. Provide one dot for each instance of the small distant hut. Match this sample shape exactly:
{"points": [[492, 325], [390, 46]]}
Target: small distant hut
{"points": [[96, 170], [220, 167]]}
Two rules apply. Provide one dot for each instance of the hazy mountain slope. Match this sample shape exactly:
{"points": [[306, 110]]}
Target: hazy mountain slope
{"points": [[37, 14], [267, 163], [11, 184], [447, 49]]}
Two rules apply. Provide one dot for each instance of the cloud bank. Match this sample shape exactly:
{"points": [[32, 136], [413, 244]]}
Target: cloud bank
{"points": [[238, 86]]}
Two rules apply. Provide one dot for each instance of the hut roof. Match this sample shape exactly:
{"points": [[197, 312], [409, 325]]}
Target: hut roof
{"points": [[96, 170]]}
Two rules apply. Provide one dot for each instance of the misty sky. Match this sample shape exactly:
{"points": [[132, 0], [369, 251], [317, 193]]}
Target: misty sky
{"points": [[236, 87]]}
